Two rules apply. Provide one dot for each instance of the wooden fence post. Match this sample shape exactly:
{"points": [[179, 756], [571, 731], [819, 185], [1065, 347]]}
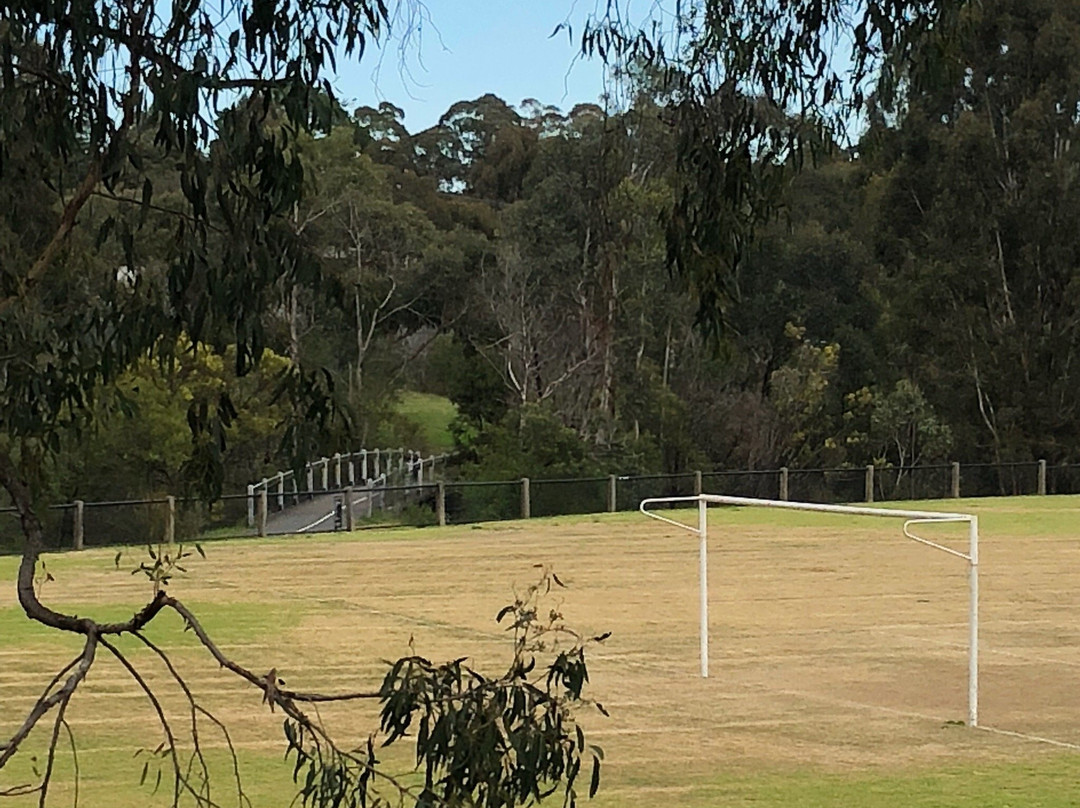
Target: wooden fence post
{"points": [[77, 528], [526, 499], [697, 484], [869, 485], [612, 492], [440, 503], [170, 520], [348, 509], [955, 488], [1042, 478], [784, 483]]}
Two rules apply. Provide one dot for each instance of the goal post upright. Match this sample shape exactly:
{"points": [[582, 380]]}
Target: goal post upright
{"points": [[973, 622], [703, 582], [911, 518]]}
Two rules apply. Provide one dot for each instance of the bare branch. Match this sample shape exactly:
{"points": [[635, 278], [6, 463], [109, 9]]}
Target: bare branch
{"points": [[170, 739], [277, 695], [197, 709], [47, 777], [47, 701]]}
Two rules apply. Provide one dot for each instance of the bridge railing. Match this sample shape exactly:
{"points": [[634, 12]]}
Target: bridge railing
{"points": [[332, 474]]}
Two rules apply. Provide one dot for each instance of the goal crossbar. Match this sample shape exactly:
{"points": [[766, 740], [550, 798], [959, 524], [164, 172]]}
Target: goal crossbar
{"points": [[910, 517]]}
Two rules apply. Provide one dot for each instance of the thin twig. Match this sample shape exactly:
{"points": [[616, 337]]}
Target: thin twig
{"points": [[198, 753], [179, 782], [47, 777], [74, 761]]}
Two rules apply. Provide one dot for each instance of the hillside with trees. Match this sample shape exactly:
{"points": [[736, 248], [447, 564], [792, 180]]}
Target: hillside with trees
{"points": [[909, 297]]}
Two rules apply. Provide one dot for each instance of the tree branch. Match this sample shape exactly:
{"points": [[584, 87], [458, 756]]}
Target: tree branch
{"points": [[82, 665]]}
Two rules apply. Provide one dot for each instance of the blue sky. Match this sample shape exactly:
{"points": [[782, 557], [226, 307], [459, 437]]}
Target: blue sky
{"points": [[466, 48]]}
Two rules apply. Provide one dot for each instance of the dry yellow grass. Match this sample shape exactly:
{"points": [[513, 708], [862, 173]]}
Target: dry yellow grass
{"points": [[836, 644]]}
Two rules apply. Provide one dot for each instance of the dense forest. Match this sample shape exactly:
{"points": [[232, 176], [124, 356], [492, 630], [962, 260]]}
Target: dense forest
{"points": [[912, 298]]}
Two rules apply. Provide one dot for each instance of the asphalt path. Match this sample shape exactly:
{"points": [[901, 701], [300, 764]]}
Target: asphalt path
{"points": [[312, 516]]}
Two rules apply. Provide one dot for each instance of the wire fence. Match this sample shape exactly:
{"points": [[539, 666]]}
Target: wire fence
{"points": [[179, 519]]}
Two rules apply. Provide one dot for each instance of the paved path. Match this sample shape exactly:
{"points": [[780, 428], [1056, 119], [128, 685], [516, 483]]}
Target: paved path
{"points": [[311, 516]]}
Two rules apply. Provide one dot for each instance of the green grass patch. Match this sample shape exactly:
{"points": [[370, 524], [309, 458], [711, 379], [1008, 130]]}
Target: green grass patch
{"points": [[1049, 782], [433, 414]]}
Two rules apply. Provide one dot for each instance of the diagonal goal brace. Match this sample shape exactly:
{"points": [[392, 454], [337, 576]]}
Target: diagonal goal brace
{"points": [[911, 518]]}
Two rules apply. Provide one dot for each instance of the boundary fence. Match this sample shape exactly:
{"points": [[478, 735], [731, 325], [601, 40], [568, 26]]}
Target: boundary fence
{"points": [[414, 496]]}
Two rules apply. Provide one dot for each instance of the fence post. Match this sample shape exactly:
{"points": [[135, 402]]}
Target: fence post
{"points": [[260, 517], [170, 520], [955, 480], [377, 458], [352, 470], [440, 503], [251, 506], [281, 490], [337, 470], [326, 474], [1042, 478], [526, 499], [784, 483], [310, 481], [869, 487], [612, 492], [348, 509], [697, 484], [77, 528]]}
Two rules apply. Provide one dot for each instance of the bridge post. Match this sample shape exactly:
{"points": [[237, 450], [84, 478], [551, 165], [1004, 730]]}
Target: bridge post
{"points": [[261, 515]]}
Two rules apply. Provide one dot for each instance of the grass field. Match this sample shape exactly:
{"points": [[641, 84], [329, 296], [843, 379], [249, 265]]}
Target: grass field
{"points": [[838, 651], [432, 414]]}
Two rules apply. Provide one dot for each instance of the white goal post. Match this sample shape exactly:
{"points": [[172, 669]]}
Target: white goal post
{"points": [[910, 518]]}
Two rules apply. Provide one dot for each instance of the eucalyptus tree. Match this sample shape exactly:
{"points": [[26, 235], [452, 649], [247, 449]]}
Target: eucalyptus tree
{"points": [[753, 88], [979, 199], [153, 146]]}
